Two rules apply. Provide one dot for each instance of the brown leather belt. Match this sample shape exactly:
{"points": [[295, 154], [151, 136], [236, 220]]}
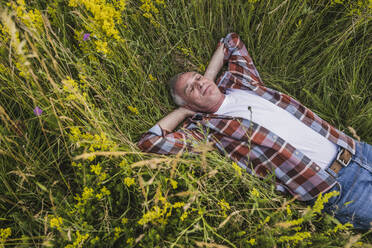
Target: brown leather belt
{"points": [[342, 160]]}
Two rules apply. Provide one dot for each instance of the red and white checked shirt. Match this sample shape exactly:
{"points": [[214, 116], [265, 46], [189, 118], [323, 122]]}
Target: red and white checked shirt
{"points": [[254, 148]]}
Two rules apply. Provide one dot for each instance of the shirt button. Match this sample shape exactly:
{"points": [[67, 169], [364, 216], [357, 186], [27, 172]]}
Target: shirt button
{"points": [[317, 168], [296, 152]]}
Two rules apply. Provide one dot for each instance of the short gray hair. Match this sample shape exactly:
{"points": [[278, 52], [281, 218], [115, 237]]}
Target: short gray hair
{"points": [[172, 83]]}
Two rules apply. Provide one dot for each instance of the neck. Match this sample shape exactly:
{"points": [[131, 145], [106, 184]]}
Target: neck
{"points": [[215, 107]]}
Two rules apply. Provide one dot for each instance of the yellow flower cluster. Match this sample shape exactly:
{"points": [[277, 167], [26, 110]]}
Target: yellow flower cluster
{"points": [[56, 222], [83, 199], [152, 78], [134, 110], [118, 230], [252, 241], [237, 169], [4, 34], [356, 7], [291, 223], [288, 209], [32, 19], [340, 227], [185, 51], [224, 207], [4, 234], [150, 10], [79, 241], [92, 142], [129, 181], [9, 29], [101, 46], [123, 164], [105, 191], [174, 183], [266, 220], [297, 237], [97, 170], [254, 192], [160, 215], [124, 221], [319, 203], [73, 90], [130, 241], [105, 17]]}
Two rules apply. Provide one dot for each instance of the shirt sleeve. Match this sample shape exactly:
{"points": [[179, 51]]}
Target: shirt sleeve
{"points": [[239, 61], [161, 141]]}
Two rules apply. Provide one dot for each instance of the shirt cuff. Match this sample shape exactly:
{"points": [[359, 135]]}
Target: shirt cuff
{"points": [[156, 130], [230, 42]]}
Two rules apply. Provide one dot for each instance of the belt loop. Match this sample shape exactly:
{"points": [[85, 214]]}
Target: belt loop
{"points": [[331, 172]]}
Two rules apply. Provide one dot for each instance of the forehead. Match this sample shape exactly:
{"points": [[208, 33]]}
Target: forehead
{"points": [[184, 80]]}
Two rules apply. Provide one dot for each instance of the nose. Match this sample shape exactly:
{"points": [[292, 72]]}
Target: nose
{"points": [[200, 83]]}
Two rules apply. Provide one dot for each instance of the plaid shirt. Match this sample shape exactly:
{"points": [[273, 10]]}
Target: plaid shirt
{"points": [[254, 148]]}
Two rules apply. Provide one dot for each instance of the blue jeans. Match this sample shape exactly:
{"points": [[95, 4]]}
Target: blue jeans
{"points": [[354, 182]]}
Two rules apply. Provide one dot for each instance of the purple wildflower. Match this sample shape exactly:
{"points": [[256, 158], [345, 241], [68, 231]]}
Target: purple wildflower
{"points": [[38, 111], [86, 37]]}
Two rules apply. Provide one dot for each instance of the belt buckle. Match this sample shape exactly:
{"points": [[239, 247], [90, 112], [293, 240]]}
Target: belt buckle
{"points": [[341, 161]]}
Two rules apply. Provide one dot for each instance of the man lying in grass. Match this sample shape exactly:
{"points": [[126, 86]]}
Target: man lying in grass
{"points": [[265, 132]]}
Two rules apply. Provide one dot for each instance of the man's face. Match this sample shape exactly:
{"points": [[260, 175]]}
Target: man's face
{"points": [[199, 93]]}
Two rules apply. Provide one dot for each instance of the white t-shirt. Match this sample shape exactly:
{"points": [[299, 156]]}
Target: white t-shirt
{"points": [[315, 146]]}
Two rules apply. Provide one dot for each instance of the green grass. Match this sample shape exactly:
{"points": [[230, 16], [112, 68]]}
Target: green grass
{"points": [[316, 51]]}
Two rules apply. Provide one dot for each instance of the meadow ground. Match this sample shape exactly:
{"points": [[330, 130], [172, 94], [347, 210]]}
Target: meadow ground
{"points": [[81, 80]]}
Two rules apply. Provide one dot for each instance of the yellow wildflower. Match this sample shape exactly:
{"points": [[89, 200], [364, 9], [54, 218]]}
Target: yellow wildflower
{"points": [[4, 33], [87, 193], [252, 241], [224, 206], [150, 10], [133, 110], [129, 181], [101, 46], [297, 237], [255, 192], [103, 176], [289, 212], [118, 230], [152, 78], [184, 215], [99, 196], [237, 169], [173, 183], [96, 169], [340, 227], [130, 241], [95, 240], [32, 19], [123, 164], [124, 221], [319, 203], [290, 223], [178, 204], [4, 234], [79, 241], [56, 222], [104, 16], [105, 191]]}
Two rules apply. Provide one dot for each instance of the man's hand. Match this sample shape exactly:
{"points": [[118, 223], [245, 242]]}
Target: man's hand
{"points": [[171, 121], [215, 64]]}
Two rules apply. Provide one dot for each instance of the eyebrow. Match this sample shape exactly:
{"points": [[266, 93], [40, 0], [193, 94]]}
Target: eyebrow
{"points": [[188, 85]]}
